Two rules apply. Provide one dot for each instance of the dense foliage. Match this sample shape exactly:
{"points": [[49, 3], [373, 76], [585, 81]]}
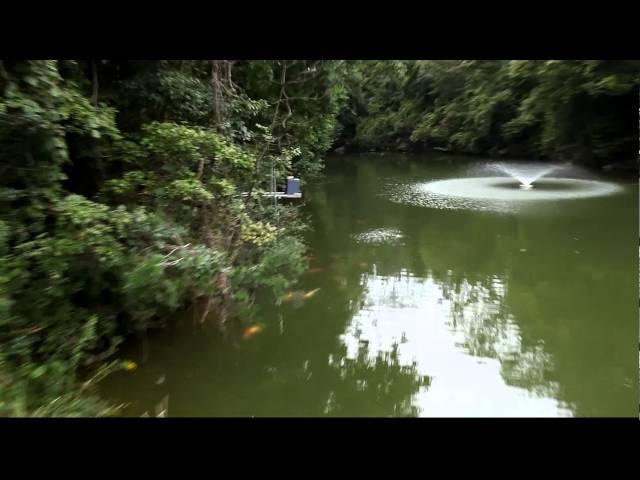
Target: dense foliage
{"points": [[120, 204], [583, 111]]}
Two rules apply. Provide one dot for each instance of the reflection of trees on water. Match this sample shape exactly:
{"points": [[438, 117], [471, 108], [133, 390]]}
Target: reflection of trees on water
{"points": [[538, 293], [342, 386], [479, 320], [480, 314], [380, 386], [547, 292], [563, 297], [396, 291], [302, 371], [470, 272], [487, 331]]}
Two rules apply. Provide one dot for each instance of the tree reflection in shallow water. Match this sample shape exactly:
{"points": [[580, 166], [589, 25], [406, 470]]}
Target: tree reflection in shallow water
{"points": [[480, 317], [379, 386], [460, 338]]}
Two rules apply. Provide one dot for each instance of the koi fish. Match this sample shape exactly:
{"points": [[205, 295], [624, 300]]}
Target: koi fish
{"points": [[315, 270], [287, 297], [298, 297], [130, 365], [311, 293], [251, 331]]}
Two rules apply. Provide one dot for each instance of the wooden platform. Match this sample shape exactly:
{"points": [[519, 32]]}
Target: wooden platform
{"points": [[278, 195]]}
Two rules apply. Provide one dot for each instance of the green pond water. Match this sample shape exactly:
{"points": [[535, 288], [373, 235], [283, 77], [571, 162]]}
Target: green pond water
{"points": [[427, 306]]}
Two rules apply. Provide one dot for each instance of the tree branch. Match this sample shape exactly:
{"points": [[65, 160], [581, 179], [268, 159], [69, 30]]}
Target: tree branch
{"points": [[283, 83]]}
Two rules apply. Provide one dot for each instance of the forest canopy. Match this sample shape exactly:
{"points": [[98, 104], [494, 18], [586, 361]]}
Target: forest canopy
{"points": [[584, 111]]}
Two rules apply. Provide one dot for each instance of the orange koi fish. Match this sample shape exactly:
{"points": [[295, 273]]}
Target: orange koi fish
{"points": [[251, 331]]}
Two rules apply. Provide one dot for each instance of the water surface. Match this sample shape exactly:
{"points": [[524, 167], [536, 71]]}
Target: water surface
{"points": [[425, 308]]}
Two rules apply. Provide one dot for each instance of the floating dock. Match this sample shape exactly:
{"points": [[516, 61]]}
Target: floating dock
{"points": [[292, 192], [278, 195]]}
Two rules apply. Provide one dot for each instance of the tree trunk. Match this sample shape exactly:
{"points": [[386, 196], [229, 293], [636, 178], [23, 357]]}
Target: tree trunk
{"points": [[97, 153], [216, 86]]}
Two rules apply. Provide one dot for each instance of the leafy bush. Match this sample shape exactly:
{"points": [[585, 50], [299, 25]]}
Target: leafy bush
{"points": [[119, 207]]}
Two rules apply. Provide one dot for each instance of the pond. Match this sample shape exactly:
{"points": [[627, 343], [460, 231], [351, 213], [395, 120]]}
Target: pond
{"points": [[428, 305]]}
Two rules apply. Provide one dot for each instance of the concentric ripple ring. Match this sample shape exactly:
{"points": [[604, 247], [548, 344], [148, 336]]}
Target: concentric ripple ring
{"points": [[506, 189]]}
